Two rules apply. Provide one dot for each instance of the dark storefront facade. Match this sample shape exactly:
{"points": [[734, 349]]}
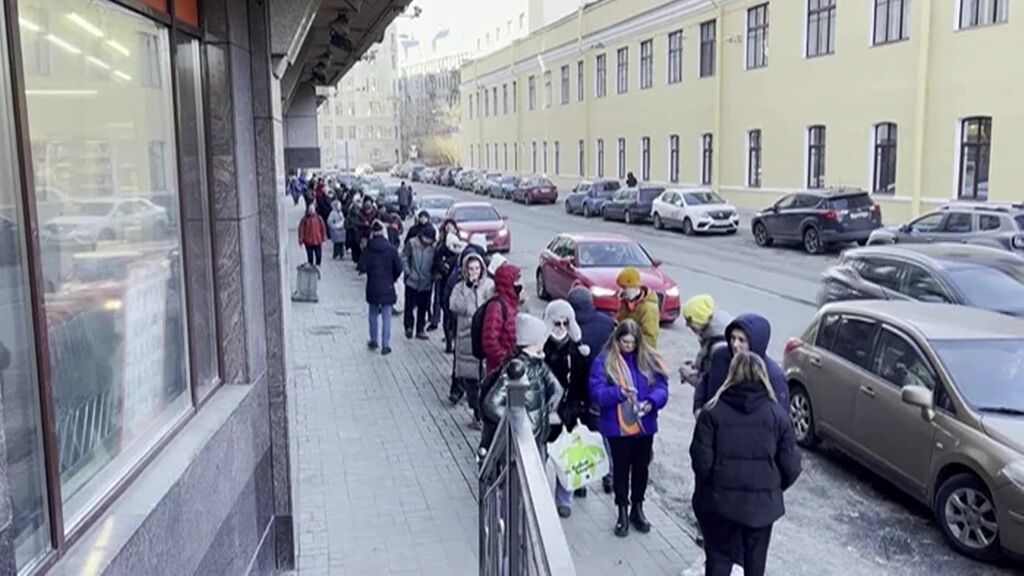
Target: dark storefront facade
{"points": [[142, 369]]}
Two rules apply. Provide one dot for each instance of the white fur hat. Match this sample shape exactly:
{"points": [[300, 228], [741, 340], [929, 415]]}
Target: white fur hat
{"points": [[496, 261], [530, 330], [557, 309]]}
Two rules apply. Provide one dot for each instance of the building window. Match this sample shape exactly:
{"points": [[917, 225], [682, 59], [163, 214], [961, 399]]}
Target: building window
{"points": [[707, 151], [757, 37], [754, 159], [673, 158], [547, 89], [515, 155], [983, 12], [821, 27], [515, 96], [601, 77], [892, 21], [707, 49], [487, 155], [470, 106], [646, 64], [885, 158], [504, 98], [579, 81], [565, 84], [116, 333], [504, 150], [975, 150], [533, 157], [494, 99], [675, 57], [487, 103], [558, 159], [622, 76], [545, 157], [531, 88], [600, 158], [622, 158], [816, 157], [645, 159], [581, 158]]}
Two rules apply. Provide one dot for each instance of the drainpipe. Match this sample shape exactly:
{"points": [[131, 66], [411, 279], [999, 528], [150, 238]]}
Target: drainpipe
{"points": [[921, 106], [717, 138], [587, 140]]}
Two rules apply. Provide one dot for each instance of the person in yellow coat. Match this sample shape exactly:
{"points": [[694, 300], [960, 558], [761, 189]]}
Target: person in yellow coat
{"points": [[638, 303]]}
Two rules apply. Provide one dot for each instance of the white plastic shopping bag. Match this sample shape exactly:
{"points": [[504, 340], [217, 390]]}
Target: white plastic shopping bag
{"points": [[579, 457]]}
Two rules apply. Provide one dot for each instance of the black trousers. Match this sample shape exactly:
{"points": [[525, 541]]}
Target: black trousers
{"points": [[339, 250], [314, 254], [356, 247], [723, 538], [417, 306], [631, 461]]}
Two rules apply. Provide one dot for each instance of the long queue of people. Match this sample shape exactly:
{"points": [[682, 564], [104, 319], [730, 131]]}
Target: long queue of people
{"points": [[585, 368]]}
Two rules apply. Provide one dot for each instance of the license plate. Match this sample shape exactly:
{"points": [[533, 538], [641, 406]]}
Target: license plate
{"points": [[858, 215]]}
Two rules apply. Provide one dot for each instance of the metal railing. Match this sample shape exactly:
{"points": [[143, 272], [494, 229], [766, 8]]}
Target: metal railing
{"points": [[520, 531]]}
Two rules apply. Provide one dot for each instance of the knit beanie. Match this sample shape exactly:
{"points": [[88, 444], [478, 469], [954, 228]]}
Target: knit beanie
{"points": [[698, 310], [530, 330], [629, 278], [497, 261], [557, 309], [479, 240]]}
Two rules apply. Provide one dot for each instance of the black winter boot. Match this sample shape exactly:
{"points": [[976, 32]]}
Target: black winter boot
{"points": [[622, 524], [606, 483], [637, 518]]}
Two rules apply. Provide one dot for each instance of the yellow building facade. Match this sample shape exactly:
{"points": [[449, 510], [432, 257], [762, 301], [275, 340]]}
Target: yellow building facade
{"points": [[917, 101]]}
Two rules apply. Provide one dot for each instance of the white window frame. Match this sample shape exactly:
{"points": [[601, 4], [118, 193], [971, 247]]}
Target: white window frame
{"points": [[645, 159], [668, 58], [599, 158], [621, 158], [581, 158], [675, 158], [957, 21], [746, 36], [905, 32], [533, 157]]}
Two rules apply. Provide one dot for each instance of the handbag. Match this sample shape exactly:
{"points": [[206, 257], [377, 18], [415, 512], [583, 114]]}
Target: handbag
{"points": [[579, 458]]}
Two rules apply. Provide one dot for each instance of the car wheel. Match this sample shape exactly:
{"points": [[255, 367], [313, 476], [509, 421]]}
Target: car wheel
{"points": [[568, 210], [604, 213], [542, 290], [687, 227], [802, 414], [527, 200], [761, 235], [586, 211], [658, 225], [812, 241], [628, 217], [966, 515]]}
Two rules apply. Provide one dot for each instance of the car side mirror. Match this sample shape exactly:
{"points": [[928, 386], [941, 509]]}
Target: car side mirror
{"points": [[504, 217], [905, 228], [920, 397], [657, 262]]}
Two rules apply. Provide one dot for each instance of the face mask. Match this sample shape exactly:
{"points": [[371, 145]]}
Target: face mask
{"points": [[631, 293], [518, 288]]}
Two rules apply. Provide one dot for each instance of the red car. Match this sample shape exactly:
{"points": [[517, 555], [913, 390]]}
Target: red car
{"points": [[535, 190], [594, 261], [481, 218]]}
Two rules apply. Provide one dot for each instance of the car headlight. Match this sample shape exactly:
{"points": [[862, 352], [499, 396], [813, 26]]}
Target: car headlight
{"points": [[503, 232], [672, 292], [601, 292], [1014, 472]]}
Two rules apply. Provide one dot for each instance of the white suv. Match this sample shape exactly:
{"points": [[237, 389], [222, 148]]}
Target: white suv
{"points": [[694, 210]]}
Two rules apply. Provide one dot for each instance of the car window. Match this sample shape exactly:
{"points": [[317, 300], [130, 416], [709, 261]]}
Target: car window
{"points": [[928, 223], [989, 222], [668, 197], [804, 201], [884, 273], [987, 373], [476, 214], [553, 246], [786, 202], [1020, 221], [612, 255], [828, 330], [923, 285], [854, 341], [649, 194], [851, 202], [611, 186], [990, 287], [565, 248], [901, 363], [958, 223]]}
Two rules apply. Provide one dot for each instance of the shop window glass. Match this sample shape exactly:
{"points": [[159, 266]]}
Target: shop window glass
{"points": [[22, 429], [109, 242]]}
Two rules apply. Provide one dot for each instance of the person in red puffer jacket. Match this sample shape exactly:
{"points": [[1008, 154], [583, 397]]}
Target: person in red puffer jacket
{"points": [[312, 235], [499, 328]]}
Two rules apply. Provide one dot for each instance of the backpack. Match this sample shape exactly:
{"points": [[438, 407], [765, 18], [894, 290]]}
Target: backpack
{"points": [[476, 329]]}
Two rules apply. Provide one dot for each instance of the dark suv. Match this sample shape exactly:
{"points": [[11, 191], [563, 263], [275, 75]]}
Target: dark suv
{"points": [[631, 205], [997, 225], [818, 219], [976, 276]]}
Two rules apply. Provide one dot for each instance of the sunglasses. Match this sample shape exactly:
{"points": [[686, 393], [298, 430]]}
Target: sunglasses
{"points": [[561, 323]]}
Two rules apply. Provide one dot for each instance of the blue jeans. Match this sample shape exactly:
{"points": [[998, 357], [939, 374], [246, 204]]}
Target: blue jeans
{"points": [[563, 496], [380, 313]]}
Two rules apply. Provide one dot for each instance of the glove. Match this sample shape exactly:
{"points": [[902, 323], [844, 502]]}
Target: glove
{"points": [[584, 350]]}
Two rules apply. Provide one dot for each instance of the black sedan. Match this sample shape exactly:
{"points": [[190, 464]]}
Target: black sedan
{"points": [[631, 205], [818, 219], [976, 276]]}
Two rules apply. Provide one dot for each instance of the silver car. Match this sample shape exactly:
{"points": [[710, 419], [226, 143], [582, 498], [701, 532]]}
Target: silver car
{"points": [[996, 225]]}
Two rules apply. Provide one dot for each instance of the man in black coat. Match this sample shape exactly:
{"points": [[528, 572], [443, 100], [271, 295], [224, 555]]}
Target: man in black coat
{"points": [[404, 200], [383, 266]]}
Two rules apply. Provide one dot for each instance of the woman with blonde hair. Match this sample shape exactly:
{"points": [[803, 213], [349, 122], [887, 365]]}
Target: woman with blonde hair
{"points": [[744, 457], [629, 385]]}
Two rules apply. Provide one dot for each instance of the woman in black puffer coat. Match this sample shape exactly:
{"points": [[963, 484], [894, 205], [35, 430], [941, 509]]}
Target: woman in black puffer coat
{"points": [[744, 457]]}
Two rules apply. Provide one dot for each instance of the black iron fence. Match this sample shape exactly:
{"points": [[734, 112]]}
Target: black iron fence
{"points": [[520, 532]]}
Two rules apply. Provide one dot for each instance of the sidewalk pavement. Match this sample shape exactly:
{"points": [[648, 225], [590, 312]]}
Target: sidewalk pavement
{"points": [[385, 476]]}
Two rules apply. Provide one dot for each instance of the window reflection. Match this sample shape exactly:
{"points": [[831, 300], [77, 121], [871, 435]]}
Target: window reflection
{"points": [[102, 132]]}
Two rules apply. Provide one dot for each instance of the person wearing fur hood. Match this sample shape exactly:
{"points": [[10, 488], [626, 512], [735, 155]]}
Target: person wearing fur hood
{"points": [[473, 289], [446, 259]]}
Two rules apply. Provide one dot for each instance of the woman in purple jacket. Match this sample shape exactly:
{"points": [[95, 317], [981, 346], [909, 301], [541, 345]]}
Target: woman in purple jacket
{"points": [[629, 384]]}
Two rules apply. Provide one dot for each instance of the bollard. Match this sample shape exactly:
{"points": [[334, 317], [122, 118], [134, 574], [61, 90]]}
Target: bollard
{"points": [[305, 290]]}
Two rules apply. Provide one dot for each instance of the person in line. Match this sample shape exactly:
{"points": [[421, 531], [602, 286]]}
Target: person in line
{"points": [[470, 293], [744, 458], [323, 201], [404, 200], [422, 221], [449, 247], [383, 267], [312, 235], [596, 328], [336, 228], [418, 258], [631, 181], [747, 333], [499, 326], [708, 324], [368, 214], [355, 204], [562, 350], [395, 229], [295, 187], [629, 383], [638, 303], [544, 393]]}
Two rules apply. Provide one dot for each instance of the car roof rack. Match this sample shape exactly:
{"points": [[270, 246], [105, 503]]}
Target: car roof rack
{"points": [[1005, 207]]}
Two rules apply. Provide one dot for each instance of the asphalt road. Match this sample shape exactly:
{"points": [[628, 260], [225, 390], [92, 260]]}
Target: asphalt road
{"points": [[841, 518]]}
